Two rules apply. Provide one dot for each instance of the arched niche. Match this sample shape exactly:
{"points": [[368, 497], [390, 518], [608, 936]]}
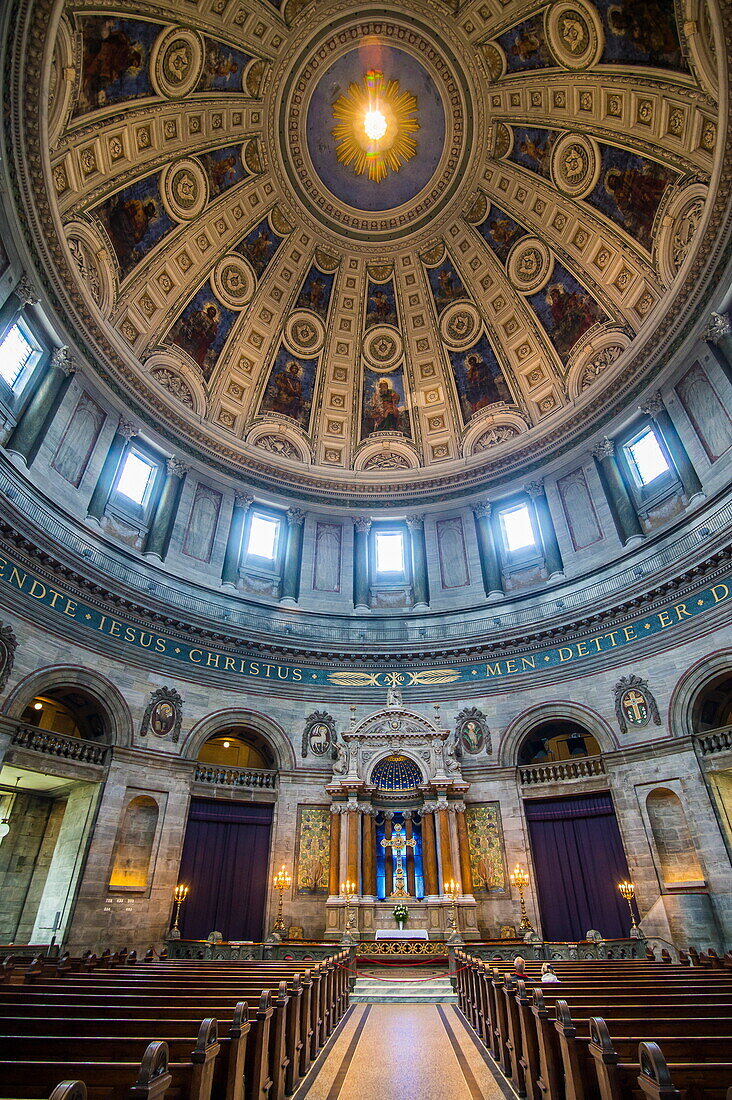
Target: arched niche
{"points": [[573, 714], [699, 695], [237, 747], [678, 863], [396, 773], [134, 846], [241, 718], [98, 708], [557, 740]]}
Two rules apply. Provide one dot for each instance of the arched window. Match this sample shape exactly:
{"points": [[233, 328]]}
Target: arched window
{"points": [[237, 747], [678, 862], [713, 707], [70, 711], [557, 740], [134, 845]]}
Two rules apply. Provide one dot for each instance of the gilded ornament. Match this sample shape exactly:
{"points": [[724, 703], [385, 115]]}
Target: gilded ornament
{"points": [[388, 144]]}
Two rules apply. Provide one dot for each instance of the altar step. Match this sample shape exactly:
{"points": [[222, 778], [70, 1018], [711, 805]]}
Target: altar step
{"points": [[434, 991]]}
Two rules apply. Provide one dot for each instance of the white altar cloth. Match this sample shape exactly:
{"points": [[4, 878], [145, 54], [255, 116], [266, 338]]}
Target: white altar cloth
{"points": [[401, 934]]}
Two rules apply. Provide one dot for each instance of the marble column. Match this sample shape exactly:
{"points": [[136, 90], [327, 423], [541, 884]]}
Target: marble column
{"points": [[657, 411], [466, 875], [293, 557], [334, 874], [388, 861], [23, 295], [489, 564], [125, 432], [161, 528], [446, 864], [719, 337], [361, 528], [230, 570], [354, 826], [35, 419], [411, 877], [622, 508], [368, 854], [420, 579], [552, 554], [429, 855]]}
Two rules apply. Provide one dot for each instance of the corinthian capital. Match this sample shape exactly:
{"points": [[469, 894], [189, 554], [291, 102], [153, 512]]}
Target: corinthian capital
{"points": [[653, 405], [604, 449], [719, 326], [415, 523], [295, 517], [243, 500], [362, 525], [126, 429], [534, 488], [26, 292], [177, 468], [63, 360], [482, 509]]}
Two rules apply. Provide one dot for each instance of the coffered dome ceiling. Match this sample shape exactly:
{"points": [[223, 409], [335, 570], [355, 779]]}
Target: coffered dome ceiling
{"points": [[530, 228]]}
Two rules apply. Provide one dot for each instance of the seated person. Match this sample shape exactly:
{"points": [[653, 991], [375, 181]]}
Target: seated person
{"points": [[547, 973], [519, 968]]}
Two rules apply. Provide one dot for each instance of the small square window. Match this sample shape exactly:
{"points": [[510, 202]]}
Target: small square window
{"points": [[389, 552], [647, 459], [17, 355], [263, 532], [135, 478], [518, 529]]}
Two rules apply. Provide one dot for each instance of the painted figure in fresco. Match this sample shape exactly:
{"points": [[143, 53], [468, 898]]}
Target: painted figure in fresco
{"points": [[218, 64], [107, 59], [526, 44], [313, 295], [636, 192], [198, 331], [572, 313], [449, 287], [537, 151], [482, 388], [128, 223], [382, 306], [650, 25], [257, 251], [503, 232], [288, 390], [219, 172], [383, 410]]}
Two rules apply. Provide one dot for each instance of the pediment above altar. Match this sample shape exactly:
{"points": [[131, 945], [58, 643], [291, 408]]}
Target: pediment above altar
{"points": [[394, 721]]}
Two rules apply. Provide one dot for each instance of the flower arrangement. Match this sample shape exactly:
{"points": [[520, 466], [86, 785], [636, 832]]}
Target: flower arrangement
{"points": [[401, 913]]}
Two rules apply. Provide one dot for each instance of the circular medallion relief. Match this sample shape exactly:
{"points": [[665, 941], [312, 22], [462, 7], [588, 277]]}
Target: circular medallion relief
{"points": [[460, 325], [233, 281], [575, 164], [383, 347], [304, 333], [575, 35], [184, 188], [176, 62], [529, 265]]}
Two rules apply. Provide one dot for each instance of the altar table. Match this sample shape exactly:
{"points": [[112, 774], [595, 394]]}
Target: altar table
{"points": [[401, 934]]}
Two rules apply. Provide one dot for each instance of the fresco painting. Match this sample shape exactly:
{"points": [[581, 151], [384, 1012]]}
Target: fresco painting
{"points": [[479, 378], [289, 389], [315, 292], [223, 68], [525, 46], [629, 191], [641, 32], [485, 843], [384, 405], [566, 310], [224, 168], [381, 307], [259, 246], [135, 220], [114, 66], [500, 232], [202, 329], [313, 849], [446, 285], [532, 148]]}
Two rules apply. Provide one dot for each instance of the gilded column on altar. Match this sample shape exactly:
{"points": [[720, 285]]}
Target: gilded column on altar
{"points": [[368, 854], [466, 877], [334, 887], [429, 855]]}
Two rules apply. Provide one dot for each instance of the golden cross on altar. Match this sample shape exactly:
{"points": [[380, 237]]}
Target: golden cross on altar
{"points": [[398, 843]]}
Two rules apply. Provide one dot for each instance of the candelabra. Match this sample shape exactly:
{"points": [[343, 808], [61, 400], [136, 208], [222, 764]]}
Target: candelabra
{"points": [[453, 892], [627, 889], [179, 896], [520, 879], [349, 891], [282, 882]]}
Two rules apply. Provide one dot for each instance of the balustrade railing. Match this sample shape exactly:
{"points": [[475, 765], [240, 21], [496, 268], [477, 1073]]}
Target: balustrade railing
{"points": [[558, 771], [58, 744], [719, 740], [235, 777]]}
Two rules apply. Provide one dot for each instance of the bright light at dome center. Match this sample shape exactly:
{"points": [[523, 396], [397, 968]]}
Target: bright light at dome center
{"points": [[375, 125]]}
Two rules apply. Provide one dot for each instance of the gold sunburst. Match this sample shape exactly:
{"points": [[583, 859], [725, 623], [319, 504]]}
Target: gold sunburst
{"points": [[376, 107]]}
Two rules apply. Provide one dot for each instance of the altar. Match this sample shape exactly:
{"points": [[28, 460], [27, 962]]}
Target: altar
{"points": [[401, 934]]}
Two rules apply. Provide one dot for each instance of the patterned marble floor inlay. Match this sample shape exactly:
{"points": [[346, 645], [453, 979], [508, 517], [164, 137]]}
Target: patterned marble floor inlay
{"points": [[404, 1052]]}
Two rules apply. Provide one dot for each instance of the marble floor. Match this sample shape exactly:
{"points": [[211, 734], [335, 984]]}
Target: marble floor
{"points": [[404, 1052]]}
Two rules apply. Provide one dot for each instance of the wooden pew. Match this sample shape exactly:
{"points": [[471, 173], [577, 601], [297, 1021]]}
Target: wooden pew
{"points": [[653, 1076], [149, 1079]]}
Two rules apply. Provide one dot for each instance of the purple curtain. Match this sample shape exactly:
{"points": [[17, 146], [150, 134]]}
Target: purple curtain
{"points": [[225, 856], [578, 862]]}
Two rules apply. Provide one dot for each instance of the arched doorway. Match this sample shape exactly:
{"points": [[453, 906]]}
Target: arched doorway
{"points": [[226, 848], [576, 847]]}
